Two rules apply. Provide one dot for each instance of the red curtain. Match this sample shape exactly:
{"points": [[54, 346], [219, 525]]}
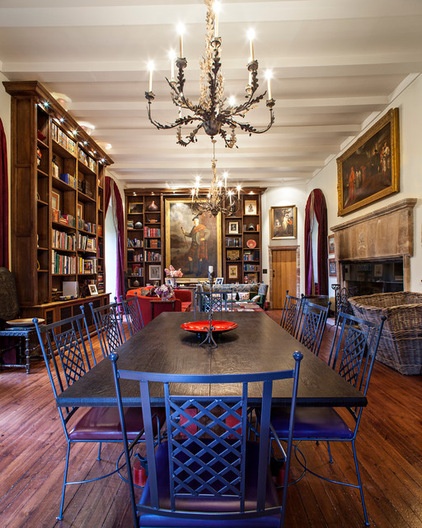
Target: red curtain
{"points": [[112, 189], [4, 201], [316, 207]]}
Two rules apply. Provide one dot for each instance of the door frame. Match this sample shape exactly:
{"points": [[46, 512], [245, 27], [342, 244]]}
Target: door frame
{"points": [[272, 249]]}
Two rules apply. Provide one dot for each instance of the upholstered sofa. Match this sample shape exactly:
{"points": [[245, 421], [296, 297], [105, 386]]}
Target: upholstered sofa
{"points": [[401, 341], [243, 292], [180, 302]]}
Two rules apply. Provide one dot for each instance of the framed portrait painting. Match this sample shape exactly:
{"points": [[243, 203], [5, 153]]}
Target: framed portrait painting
{"points": [[370, 169], [283, 222], [193, 242], [92, 289]]}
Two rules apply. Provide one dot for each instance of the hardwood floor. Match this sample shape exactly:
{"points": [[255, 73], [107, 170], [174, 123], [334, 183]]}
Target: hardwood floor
{"points": [[32, 451]]}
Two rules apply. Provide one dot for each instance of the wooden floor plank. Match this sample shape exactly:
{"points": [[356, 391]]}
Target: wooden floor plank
{"points": [[32, 451]]}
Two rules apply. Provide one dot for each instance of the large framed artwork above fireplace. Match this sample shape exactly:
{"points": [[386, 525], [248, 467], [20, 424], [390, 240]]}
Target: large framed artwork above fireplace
{"points": [[373, 251]]}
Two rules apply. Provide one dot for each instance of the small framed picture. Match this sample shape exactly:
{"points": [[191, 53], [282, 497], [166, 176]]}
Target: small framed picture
{"points": [[233, 228], [219, 280], [154, 272], [331, 246], [135, 207], [250, 207], [92, 289], [378, 270], [332, 267], [233, 272], [80, 210], [169, 281], [233, 254], [55, 200]]}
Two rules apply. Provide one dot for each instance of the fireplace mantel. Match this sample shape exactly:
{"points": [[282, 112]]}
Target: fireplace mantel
{"points": [[380, 235]]}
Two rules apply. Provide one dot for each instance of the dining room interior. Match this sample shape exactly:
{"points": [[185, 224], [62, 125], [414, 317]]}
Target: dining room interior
{"points": [[253, 194]]}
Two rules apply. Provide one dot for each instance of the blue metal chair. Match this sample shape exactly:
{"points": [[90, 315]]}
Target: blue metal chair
{"points": [[208, 473], [311, 327], [291, 313], [68, 354], [352, 354], [133, 315], [108, 325]]}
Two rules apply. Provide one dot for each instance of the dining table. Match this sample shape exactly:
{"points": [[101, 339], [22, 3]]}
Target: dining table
{"points": [[255, 343]]}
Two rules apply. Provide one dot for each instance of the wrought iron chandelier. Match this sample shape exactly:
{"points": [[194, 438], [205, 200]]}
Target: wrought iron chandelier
{"points": [[213, 113], [220, 198]]}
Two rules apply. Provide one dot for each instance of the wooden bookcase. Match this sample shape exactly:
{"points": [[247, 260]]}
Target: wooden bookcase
{"points": [[57, 193], [144, 229], [242, 255]]}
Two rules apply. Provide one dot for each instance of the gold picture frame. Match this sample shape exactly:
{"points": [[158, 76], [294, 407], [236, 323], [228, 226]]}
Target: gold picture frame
{"points": [[370, 169], [283, 222], [182, 230]]}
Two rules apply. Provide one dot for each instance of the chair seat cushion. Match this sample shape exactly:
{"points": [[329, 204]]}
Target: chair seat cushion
{"points": [[103, 424], [209, 504], [311, 423]]}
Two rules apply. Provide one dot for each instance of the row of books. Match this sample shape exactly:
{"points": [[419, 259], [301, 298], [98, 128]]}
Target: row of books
{"points": [[86, 243], [87, 160], [152, 232], [87, 265], [153, 243], [251, 255], [63, 139], [250, 267], [152, 256], [89, 227], [63, 264], [62, 240]]}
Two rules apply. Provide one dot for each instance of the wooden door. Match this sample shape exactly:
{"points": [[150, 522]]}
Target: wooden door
{"points": [[284, 275]]}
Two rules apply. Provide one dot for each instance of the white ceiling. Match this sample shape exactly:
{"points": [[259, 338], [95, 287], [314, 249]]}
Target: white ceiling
{"points": [[337, 64]]}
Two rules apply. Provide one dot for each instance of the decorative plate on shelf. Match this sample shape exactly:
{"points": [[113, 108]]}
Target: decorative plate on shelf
{"points": [[251, 243], [201, 327]]}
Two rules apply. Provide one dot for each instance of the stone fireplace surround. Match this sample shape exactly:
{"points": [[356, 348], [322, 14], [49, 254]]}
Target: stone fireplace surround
{"points": [[382, 236]]}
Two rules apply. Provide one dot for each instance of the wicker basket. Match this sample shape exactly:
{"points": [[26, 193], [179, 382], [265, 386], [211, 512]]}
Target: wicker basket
{"points": [[401, 341]]}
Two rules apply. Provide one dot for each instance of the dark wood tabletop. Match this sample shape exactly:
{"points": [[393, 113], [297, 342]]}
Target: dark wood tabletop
{"points": [[258, 344]]}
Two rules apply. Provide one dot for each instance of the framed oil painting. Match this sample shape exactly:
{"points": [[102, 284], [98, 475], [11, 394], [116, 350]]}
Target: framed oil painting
{"points": [[370, 169], [283, 222], [193, 242]]}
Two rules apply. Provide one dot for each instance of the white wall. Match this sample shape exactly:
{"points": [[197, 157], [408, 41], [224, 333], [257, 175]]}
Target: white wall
{"points": [[409, 103]]}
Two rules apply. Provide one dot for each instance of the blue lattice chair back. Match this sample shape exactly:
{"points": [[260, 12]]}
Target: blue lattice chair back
{"points": [[217, 301], [108, 326], [133, 314], [354, 348], [291, 313], [312, 325], [208, 472]]}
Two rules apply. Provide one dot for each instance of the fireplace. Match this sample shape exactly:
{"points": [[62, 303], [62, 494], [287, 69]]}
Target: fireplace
{"points": [[373, 251]]}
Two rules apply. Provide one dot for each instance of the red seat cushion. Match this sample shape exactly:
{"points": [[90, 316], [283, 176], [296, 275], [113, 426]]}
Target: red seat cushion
{"points": [[103, 424]]}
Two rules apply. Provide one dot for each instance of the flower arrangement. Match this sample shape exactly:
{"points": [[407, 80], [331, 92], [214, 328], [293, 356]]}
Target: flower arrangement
{"points": [[164, 291], [173, 272]]}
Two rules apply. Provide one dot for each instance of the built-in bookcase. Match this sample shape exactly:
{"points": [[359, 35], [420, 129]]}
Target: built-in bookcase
{"points": [[57, 215]]}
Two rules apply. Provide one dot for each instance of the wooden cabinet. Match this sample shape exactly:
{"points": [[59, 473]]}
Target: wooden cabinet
{"points": [[144, 228], [242, 254], [57, 216]]}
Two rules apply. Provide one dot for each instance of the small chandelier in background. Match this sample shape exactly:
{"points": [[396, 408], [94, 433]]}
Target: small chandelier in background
{"points": [[214, 113], [219, 199]]}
